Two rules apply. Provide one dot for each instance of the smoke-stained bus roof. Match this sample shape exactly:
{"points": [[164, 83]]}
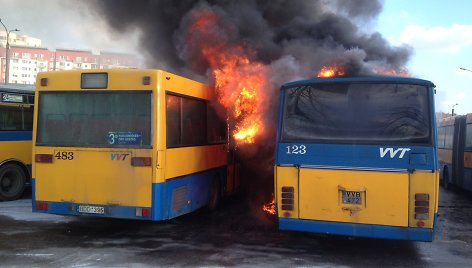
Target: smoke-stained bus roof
{"points": [[18, 88], [360, 79]]}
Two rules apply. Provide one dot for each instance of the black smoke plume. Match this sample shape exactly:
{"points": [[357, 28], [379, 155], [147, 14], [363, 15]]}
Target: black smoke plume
{"points": [[294, 39]]}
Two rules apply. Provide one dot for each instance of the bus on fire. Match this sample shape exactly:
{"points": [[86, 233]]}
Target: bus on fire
{"points": [[357, 156], [136, 144]]}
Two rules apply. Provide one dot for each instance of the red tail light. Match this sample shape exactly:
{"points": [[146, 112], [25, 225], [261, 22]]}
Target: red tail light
{"points": [[143, 212], [43, 158], [141, 161], [42, 205], [421, 208], [287, 198]]}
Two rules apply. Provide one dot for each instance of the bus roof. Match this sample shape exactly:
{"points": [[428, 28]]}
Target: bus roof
{"points": [[17, 88], [360, 79]]}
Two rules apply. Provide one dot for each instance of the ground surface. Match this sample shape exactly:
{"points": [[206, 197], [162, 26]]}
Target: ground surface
{"points": [[235, 235]]}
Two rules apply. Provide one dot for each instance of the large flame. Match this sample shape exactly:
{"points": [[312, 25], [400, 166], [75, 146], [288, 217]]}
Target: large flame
{"points": [[330, 71], [391, 72], [239, 81]]}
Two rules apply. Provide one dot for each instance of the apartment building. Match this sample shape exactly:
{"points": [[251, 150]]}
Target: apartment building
{"points": [[27, 58]]}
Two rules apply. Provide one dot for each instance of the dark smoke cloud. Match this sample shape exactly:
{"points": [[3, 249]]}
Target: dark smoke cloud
{"points": [[275, 30], [294, 39]]}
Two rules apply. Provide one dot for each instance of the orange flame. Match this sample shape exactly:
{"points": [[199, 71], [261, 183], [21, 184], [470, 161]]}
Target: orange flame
{"points": [[270, 207], [239, 82], [382, 71], [335, 70]]}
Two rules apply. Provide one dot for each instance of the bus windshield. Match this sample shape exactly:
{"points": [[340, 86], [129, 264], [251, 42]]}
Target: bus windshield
{"points": [[95, 119], [357, 113]]}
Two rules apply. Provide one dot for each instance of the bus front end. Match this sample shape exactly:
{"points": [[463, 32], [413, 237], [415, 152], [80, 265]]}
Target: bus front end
{"points": [[357, 157], [92, 149]]}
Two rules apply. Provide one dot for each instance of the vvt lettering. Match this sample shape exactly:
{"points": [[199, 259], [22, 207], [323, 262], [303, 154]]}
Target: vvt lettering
{"points": [[392, 153], [119, 157]]}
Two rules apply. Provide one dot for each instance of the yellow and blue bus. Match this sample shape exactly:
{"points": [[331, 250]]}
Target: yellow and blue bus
{"points": [[16, 123], [357, 156], [455, 151], [128, 143]]}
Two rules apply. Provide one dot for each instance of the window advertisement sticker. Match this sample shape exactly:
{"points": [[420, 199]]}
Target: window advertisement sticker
{"points": [[124, 138]]}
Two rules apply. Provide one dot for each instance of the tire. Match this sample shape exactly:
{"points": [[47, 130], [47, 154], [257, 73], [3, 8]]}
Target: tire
{"points": [[12, 182], [215, 195]]}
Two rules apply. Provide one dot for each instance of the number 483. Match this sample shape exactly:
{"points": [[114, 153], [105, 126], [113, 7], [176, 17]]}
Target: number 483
{"points": [[64, 155], [296, 149]]}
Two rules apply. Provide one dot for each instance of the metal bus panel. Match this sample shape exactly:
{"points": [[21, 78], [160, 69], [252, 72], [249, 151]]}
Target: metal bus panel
{"points": [[94, 176], [378, 197]]}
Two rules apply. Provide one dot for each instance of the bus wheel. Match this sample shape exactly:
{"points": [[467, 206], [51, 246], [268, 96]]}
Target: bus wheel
{"points": [[215, 194], [12, 182]]}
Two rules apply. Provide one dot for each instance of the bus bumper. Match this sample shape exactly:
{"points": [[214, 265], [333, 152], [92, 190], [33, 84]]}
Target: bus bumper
{"points": [[359, 230]]}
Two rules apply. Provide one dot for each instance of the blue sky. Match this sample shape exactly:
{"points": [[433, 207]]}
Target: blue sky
{"points": [[441, 34]]}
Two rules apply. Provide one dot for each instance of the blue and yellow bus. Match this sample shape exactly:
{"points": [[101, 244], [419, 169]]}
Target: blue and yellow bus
{"points": [[16, 123], [135, 144], [357, 156], [455, 151]]}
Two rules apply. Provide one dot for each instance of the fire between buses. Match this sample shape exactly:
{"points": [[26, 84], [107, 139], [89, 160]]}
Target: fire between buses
{"points": [[136, 144], [357, 156]]}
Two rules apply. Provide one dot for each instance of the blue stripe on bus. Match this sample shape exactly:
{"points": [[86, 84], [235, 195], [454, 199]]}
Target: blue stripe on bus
{"points": [[358, 156], [197, 189], [197, 195], [15, 135], [359, 230]]}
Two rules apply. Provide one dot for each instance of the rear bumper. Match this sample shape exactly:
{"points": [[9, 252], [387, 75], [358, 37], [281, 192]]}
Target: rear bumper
{"points": [[359, 230]]}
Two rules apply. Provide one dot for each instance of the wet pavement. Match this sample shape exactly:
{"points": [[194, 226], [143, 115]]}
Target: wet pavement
{"points": [[238, 234]]}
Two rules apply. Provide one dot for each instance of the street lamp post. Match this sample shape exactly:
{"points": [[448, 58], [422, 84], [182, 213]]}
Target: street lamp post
{"points": [[453, 108], [7, 47]]}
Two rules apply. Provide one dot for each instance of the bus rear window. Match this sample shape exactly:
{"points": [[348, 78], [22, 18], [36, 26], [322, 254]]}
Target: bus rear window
{"points": [[94, 119], [357, 113]]}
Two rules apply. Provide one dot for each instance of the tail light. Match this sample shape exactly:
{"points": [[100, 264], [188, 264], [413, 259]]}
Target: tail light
{"points": [[141, 161], [143, 212], [288, 196], [421, 208], [42, 205], [43, 158]]}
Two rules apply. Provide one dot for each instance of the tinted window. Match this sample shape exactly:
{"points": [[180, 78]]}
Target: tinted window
{"points": [[357, 113], [468, 137], [94, 119], [16, 118], [449, 137], [441, 136], [186, 121]]}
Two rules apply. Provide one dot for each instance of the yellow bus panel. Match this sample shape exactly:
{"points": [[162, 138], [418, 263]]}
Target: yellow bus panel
{"points": [[187, 160], [384, 196], [20, 150], [423, 182], [107, 180]]}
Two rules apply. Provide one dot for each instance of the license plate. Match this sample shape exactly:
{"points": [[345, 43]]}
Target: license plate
{"points": [[92, 209], [351, 197]]}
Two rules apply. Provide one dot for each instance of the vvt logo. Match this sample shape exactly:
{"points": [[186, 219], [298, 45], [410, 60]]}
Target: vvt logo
{"points": [[392, 153], [119, 157]]}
